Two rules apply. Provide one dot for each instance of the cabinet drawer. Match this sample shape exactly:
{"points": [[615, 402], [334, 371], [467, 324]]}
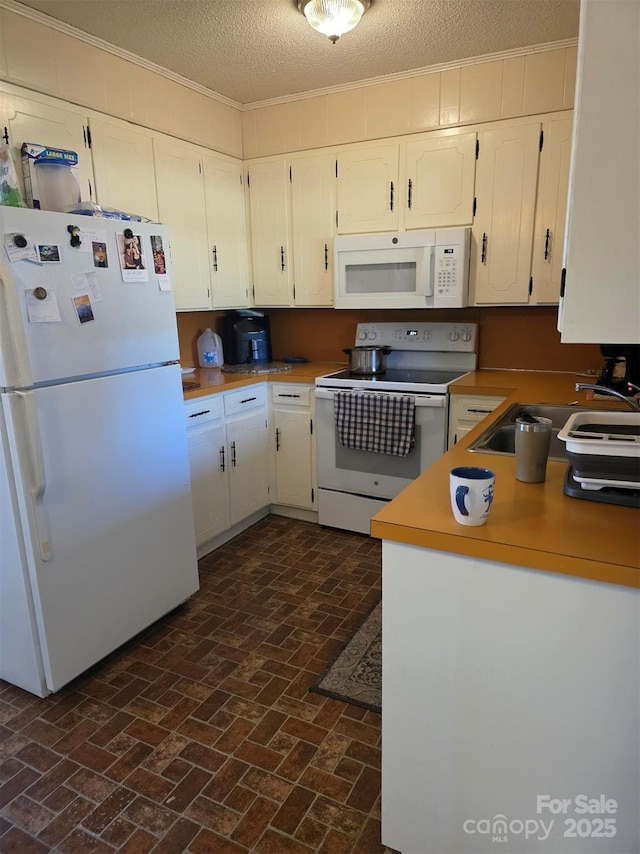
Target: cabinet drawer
{"points": [[201, 411], [475, 409], [250, 397], [290, 394]]}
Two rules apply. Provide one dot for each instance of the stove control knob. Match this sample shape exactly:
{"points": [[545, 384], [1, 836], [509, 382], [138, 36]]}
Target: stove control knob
{"points": [[372, 336], [362, 335], [454, 336], [466, 336]]}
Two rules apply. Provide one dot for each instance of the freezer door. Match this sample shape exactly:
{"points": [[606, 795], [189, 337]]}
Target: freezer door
{"points": [[125, 323], [103, 489]]}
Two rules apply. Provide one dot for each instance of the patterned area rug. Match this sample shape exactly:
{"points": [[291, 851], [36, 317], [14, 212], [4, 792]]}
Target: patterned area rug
{"points": [[356, 674]]}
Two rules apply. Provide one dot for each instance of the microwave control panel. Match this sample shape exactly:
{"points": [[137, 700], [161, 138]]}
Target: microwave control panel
{"points": [[451, 270]]}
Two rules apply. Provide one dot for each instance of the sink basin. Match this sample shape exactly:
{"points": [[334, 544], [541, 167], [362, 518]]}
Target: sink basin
{"points": [[500, 437]]}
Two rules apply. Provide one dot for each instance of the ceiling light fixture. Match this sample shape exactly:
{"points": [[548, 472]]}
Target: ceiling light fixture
{"points": [[333, 18]]}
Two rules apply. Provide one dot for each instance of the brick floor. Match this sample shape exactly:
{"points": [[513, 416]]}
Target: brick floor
{"points": [[200, 735]]}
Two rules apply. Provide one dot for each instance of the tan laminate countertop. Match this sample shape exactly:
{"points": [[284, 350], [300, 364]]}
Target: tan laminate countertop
{"points": [[530, 525], [213, 380]]}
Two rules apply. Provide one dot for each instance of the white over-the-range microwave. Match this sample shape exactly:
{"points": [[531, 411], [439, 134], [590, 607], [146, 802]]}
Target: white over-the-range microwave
{"points": [[413, 269]]}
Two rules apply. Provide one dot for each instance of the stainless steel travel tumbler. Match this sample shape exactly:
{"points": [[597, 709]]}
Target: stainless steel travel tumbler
{"points": [[533, 439]]}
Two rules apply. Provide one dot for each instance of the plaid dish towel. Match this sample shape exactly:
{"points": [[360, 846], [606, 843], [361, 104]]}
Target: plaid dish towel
{"points": [[382, 423]]}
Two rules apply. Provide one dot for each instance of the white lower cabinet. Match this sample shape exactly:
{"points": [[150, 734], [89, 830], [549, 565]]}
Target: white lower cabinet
{"points": [[293, 445], [466, 411], [247, 441], [228, 458], [209, 469]]}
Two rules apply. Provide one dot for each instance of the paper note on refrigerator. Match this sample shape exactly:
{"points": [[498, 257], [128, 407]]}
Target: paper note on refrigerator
{"points": [[87, 283], [89, 236], [19, 247], [42, 308]]}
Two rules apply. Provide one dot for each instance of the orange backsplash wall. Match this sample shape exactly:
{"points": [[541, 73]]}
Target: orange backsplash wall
{"points": [[523, 338]]}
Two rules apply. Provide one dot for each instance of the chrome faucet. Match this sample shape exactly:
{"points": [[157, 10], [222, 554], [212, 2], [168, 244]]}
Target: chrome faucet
{"points": [[604, 390]]}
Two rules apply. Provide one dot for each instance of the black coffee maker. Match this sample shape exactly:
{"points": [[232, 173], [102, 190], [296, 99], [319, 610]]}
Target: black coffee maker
{"points": [[246, 338], [621, 367]]}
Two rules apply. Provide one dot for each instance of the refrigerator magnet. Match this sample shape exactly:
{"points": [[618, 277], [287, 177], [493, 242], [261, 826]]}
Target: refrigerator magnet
{"points": [[131, 255], [49, 253], [100, 257], [42, 306], [82, 305], [160, 262]]}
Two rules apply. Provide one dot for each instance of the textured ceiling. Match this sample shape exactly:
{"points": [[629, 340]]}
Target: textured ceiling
{"points": [[253, 50]]}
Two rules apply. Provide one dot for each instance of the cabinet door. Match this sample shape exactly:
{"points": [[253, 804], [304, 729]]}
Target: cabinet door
{"points": [[313, 205], [48, 124], [506, 179], [551, 210], [440, 181], [368, 190], [247, 442], [293, 457], [123, 166], [209, 482], [272, 262], [181, 207], [227, 232], [602, 297]]}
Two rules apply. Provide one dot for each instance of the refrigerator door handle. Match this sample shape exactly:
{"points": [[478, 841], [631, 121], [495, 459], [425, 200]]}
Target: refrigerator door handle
{"points": [[39, 484]]}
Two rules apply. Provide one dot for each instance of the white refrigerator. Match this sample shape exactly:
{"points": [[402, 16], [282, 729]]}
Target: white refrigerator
{"points": [[96, 523]]}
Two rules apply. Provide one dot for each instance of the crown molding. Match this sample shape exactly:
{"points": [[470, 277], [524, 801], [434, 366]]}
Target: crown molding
{"points": [[414, 72], [69, 30]]}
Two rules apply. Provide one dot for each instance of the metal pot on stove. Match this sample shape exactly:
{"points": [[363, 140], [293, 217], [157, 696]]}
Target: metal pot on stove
{"points": [[367, 359]]}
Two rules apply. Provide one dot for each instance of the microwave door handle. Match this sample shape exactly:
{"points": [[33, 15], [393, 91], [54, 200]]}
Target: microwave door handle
{"points": [[425, 272]]}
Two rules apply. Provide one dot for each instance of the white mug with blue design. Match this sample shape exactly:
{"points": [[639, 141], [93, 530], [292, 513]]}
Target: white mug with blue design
{"points": [[471, 494]]}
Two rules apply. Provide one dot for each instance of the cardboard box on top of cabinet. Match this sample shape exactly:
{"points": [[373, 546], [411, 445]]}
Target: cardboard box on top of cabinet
{"points": [[51, 179]]}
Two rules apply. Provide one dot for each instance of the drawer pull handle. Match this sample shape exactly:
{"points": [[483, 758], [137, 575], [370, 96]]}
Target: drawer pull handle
{"points": [[485, 240], [409, 193], [248, 399], [222, 465], [288, 395], [547, 238], [215, 259], [198, 414], [277, 439], [326, 256], [391, 195], [282, 257], [233, 454]]}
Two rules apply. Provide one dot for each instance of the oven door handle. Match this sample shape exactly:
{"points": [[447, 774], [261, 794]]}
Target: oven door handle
{"points": [[435, 401]]}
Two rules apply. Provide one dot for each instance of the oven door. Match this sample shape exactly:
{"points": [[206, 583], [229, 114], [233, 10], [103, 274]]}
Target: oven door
{"points": [[366, 473]]}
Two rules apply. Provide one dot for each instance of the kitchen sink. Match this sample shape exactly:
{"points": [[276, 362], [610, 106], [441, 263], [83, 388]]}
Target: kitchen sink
{"points": [[500, 437]]}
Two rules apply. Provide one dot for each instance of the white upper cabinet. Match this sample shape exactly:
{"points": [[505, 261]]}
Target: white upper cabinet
{"points": [[48, 122], [123, 166], [551, 210], [368, 192], [227, 231], [181, 207], [602, 290], [440, 174], [313, 209], [270, 240], [506, 180]]}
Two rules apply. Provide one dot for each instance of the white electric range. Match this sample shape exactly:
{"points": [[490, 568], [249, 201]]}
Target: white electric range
{"points": [[424, 360]]}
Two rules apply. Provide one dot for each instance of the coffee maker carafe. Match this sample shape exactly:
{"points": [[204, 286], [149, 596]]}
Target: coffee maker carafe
{"points": [[621, 369], [246, 338]]}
